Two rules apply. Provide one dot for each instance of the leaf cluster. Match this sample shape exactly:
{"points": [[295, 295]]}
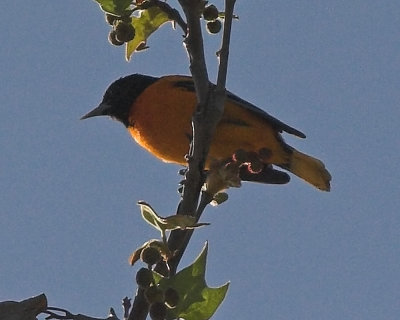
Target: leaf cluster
{"points": [[197, 301], [181, 295], [145, 17]]}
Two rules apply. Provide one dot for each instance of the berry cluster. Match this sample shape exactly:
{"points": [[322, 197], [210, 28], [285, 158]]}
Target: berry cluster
{"points": [[158, 299], [211, 14], [253, 160], [225, 174], [122, 29]]}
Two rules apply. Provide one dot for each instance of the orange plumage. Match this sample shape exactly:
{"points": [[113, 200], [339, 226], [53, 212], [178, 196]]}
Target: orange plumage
{"points": [[157, 112]]}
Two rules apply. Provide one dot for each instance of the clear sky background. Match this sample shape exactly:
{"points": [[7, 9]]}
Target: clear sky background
{"points": [[68, 188]]}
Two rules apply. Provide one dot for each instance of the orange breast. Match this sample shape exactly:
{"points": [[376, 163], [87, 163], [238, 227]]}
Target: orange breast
{"points": [[162, 124]]}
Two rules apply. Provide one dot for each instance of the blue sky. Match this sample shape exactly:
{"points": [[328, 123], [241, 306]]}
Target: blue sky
{"points": [[69, 188]]}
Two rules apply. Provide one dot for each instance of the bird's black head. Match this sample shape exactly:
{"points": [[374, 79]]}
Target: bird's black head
{"points": [[120, 96]]}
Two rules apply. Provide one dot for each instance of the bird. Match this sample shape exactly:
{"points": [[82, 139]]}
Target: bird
{"points": [[157, 112]]}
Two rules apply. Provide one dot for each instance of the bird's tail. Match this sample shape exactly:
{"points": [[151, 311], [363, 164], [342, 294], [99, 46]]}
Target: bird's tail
{"points": [[310, 169]]}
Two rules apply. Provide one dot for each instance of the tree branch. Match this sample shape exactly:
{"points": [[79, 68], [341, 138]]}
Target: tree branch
{"points": [[202, 130], [209, 110], [205, 119], [26, 309], [140, 306], [226, 40]]}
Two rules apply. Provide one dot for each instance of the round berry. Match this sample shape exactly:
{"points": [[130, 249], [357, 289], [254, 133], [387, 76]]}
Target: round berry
{"points": [[144, 278], [214, 27], [210, 13], [150, 255], [124, 31], [113, 39], [171, 297], [154, 294], [158, 311], [255, 163], [240, 156], [256, 167]]}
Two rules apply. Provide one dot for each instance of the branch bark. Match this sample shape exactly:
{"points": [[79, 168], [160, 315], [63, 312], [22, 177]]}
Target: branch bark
{"points": [[209, 111], [27, 309]]}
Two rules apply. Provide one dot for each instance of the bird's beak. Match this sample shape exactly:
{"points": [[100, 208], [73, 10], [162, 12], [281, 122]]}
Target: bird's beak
{"points": [[101, 110]]}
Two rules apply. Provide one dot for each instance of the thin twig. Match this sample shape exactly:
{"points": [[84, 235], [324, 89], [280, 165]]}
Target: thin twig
{"points": [[224, 51], [126, 305], [53, 313], [183, 236]]}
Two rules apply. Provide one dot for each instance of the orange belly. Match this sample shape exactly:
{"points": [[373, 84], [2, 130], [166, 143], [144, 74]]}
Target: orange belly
{"points": [[165, 131]]}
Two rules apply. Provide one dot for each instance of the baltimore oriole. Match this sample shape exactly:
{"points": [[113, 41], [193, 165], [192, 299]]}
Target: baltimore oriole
{"points": [[157, 112]]}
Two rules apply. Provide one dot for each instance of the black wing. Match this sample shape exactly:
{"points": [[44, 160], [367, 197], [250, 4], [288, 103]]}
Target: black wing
{"points": [[275, 123]]}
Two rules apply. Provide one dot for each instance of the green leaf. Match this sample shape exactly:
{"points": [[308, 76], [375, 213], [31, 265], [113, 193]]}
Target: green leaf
{"points": [[197, 301], [169, 223], [116, 7], [149, 215], [145, 24], [182, 222]]}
